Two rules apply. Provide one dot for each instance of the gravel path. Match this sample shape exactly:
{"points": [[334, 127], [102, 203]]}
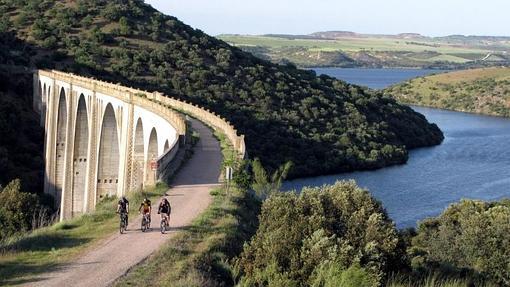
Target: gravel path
{"points": [[113, 257]]}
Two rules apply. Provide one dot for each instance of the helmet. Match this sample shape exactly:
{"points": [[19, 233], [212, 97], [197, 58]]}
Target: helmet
{"points": [[123, 198], [145, 200]]}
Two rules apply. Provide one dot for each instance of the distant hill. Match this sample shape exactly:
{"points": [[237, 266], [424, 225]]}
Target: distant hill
{"points": [[484, 91], [350, 49], [348, 34], [321, 124]]}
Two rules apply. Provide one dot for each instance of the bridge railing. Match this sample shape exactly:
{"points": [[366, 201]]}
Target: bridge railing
{"points": [[166, 164], [208, 117]]}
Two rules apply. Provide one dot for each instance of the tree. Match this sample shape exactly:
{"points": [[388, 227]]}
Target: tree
{"points": [[124, 26], [265, 185], [97, 35], [16, 209], [40, 29], [5, 23]]}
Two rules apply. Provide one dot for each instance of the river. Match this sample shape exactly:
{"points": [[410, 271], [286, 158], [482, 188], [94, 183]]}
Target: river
{"points": [[473, 162], [374, 78]]}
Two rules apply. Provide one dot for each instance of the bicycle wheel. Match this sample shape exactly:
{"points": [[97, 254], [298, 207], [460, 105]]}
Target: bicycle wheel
{"points": [[122, 225], [144, 224], [163, 226]]}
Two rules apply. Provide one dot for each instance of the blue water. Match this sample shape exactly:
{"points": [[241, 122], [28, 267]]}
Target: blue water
{"points": [[374, 78], [473, 162]]}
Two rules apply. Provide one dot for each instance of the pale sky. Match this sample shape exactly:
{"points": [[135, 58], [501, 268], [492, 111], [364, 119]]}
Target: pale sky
{"points": [[428, 17]]}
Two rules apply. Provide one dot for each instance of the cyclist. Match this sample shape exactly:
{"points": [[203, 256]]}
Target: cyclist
{"points": [[165, 209], [123, 207], [146, 208]]}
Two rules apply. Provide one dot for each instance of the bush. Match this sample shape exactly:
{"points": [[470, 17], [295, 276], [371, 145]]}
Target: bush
{"points": [[17, 209], [470, 235], [301, 236]]}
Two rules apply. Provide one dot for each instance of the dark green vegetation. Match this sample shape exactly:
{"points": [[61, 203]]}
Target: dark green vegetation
{"points": [[320, 235], [199, 255], [21, 137], [470, 237], [21, 146], [348, 49], [321, 124], [20, 211], [340, 236], [484, 91], [46, 249]]}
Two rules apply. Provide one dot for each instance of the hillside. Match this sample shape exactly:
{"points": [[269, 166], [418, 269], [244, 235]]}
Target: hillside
{"points": [[321, 124], [483, 91], [21, 137], [349, 49]]}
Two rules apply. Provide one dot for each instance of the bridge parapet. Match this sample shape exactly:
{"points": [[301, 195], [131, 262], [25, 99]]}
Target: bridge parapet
{"points": [[207, 117]]}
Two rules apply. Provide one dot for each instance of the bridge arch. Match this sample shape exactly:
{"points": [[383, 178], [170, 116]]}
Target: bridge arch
{"points": [[152, 156], [166, 147], [138, 156], [108, 165], [80, 154], [44, 103], [60, 145]]}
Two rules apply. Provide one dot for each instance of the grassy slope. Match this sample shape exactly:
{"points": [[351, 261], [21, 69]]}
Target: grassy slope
{"points": [[484, 91], [385, 51], [48, 248]]}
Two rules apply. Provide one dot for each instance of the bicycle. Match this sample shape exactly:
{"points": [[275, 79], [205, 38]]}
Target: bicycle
{"points": [[164, 223], [123, 222], [145, 222]]}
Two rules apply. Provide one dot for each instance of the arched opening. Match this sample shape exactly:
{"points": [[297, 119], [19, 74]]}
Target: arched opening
{"points": [[81, 139], [60, 146], [138, 157], [43, 105], [152, 156], [46, 105], [39, 98], [108, 168], [166, 147]]}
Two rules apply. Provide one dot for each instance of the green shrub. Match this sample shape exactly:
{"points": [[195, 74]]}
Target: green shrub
{"points": [[299, 233], [470, 236], [17, 210]]}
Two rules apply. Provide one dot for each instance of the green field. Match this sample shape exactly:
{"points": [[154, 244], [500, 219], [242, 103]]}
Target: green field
{"points": [[384, 51], [348, 44], [484, 91]]}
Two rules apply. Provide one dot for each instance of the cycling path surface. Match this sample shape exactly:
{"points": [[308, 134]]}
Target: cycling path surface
{"points": [[189, 196]]}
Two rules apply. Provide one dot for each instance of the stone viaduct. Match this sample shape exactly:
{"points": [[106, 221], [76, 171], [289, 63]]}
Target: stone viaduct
{"points": [[103, 139]]}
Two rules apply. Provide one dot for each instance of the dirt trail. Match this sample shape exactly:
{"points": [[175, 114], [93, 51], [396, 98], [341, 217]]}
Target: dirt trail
{"points": [[189, 196]]}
